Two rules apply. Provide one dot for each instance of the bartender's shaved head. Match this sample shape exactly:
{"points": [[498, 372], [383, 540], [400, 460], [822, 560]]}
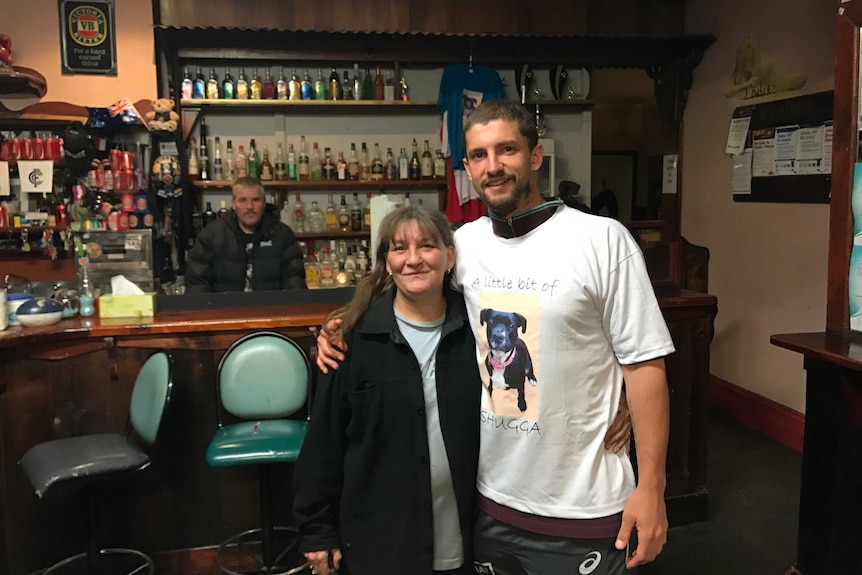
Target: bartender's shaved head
{"points": [[248, 203]]}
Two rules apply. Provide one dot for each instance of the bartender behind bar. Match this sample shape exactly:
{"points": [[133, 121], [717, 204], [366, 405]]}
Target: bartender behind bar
{"points": [[249, 249]]}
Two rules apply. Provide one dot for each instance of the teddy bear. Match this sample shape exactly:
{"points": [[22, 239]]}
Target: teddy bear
{"points": [[162, 116]]}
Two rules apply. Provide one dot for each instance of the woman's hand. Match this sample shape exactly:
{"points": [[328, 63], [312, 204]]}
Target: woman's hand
{"points": [[324, 562]]}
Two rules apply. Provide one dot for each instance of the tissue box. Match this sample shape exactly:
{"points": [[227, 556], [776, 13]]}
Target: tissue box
{"points": [[133, 306]]}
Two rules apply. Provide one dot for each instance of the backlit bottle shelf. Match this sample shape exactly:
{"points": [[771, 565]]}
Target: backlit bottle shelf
{"points": [[432, 184]]}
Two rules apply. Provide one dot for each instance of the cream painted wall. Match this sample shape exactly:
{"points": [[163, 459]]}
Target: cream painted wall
{"points": [[36, 45], [768, 261]]}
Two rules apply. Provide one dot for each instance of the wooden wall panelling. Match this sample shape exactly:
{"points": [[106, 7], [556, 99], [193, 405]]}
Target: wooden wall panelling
{"points": [[844, 153], [626, 17]]}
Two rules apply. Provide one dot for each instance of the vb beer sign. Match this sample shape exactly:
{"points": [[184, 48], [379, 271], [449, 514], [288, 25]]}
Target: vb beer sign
{"points": [[87, 36]]}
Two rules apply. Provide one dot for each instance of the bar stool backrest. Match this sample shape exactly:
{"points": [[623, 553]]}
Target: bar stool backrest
{"points": [[150, 396], [264, 375]]}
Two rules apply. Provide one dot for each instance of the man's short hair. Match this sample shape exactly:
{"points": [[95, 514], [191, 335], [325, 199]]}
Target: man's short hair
{"points": [[504, 110], [247, 183]]}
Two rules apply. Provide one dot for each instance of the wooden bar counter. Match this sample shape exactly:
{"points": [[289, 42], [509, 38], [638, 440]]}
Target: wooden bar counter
{"points": [[76, 377]]}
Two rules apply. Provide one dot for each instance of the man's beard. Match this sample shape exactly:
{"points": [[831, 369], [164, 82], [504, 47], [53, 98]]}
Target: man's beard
{"points": [[506, 205]]}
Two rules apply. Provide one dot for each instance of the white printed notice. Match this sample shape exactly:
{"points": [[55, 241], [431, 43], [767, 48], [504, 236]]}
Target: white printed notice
{"points": [[738, 130], [5, 189], [763, 153], [809, 150], [740, 181], [826, 164], [785, 150], [668, 181]]}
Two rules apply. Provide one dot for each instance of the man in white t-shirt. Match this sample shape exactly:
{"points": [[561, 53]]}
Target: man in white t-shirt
{"points": [[563, 311]]}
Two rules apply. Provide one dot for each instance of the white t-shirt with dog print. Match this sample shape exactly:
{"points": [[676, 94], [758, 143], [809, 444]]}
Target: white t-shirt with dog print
{"points": [[565, 305]]}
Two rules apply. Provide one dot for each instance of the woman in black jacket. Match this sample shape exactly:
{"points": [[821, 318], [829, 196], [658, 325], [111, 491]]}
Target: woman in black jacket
{"points": [[385, 482]]}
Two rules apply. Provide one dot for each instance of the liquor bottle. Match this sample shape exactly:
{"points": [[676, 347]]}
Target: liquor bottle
{"points": [[266, 172], [364, 165], [403, 166], [197, 222], [352, 164], [405, 96], [218, 169], [376, 164], [255, 87], [203, 158], [281, 86], [390, 169], [361, 265], [357, 83], [268, 88], [199, 90], [331, 217], [327, 273], [253, 160], [228, 88], [306, 88], [229, 163], [415, 165], [304, 166], [378, 85], [319, 86], [355, 214], [86, 297], [328, 165], [316, 220], [294, 87], [242, 85], [367, 85], [334, 85], [343, 216], [187, 85], [291, 164], [312, 272], [315, 163], [213, 86], [194, 165], [439, 164], [286, 216], [241, 163], [222, 211], [427, 163], [366, 214], [346, 87], [388, 87], [298, 215], [208, 215], [280, 167], [341, 167]]}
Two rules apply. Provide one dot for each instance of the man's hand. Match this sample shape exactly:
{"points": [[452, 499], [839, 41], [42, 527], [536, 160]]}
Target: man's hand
{"points": [[330, 347], [618, 436], [324, 562], [644, 511]]}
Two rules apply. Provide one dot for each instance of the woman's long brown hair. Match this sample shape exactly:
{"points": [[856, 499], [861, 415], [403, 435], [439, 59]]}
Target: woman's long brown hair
{"points": [[431, 222]]}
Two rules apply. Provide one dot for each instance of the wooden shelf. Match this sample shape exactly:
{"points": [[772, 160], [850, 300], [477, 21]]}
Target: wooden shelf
{"points": [[333, 235], [298, 106], [6, 230], [334, 184]]}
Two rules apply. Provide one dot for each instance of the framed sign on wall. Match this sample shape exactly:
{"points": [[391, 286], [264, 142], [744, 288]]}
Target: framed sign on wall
{"points": [[87, 37]]}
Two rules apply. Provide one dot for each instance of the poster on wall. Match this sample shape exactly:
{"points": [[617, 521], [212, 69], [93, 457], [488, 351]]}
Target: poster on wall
{"points": [[87, 37], [854, 279]]}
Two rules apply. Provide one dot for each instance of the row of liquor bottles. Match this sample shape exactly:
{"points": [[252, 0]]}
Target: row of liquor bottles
{"points": [[312, 166], [340, 264], [344, 218], [377, 86]]}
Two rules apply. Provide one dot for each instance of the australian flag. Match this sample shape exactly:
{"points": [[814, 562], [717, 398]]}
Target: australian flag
{"points": [[119, 114]]}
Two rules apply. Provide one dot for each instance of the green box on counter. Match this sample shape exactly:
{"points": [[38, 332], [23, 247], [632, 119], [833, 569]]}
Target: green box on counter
{"points": [[134, 306]]}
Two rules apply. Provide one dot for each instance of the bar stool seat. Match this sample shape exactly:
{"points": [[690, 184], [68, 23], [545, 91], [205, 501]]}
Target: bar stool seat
{"points": [[91, 460], [255, 442]]}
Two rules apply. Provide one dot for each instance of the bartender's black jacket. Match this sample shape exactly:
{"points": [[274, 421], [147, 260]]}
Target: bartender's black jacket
{"points": [[218, 260], [363, 479]]}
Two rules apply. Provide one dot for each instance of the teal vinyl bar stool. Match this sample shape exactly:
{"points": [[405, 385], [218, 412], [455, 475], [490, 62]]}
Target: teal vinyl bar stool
{"points": [[262, 379], [91, 460]]}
